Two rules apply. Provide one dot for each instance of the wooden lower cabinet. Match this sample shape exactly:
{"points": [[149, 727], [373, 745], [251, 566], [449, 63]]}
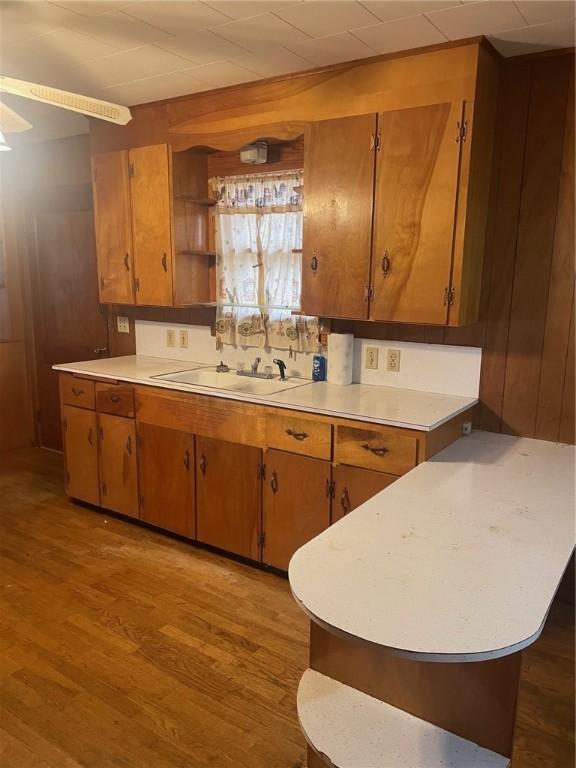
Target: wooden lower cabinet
{"points": [[297, 494], [228, 496], [118, 464], [166, 478], [353, 486], [81, 453]]}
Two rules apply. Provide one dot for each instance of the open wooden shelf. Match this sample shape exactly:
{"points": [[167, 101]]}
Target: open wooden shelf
{"points": [[196, 253], [197, 200], [347, 729]]}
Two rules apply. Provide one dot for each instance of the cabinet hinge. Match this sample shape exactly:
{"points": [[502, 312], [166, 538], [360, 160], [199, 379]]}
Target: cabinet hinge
{"points": [[262, 471], [262, 539], [330, 489], [368, 292], [104, 489], [131, 170], [448, 297], [375, 142], [137, 283], [102, 283], [462, 131]]}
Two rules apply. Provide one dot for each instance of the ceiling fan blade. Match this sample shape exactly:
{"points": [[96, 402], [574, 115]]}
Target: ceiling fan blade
{"points": [[104, 110], [12, 122]]}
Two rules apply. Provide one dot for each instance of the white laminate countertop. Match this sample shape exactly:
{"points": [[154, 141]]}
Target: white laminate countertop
{"points": [[458, 560], [407, 408]]}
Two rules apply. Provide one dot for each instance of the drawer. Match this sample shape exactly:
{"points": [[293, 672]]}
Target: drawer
{"points": [[75, 391], [117, 399], [381, 448], [298, 434]]}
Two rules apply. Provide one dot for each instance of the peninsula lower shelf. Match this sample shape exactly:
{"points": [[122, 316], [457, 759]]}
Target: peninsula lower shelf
{"points": [[348, 728]]}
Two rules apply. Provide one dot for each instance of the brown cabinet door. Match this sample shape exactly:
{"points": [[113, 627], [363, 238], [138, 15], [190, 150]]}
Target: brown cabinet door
{"points": [[81, 453], [353, 486], [111, 190], [228, 496], [150, 190], [296, 504], [414, 213], [339, 182], [118, 466], [166, 477]]}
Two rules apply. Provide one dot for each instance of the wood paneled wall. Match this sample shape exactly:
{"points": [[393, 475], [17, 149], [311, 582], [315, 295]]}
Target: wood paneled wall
{"points": [[527, 315]]}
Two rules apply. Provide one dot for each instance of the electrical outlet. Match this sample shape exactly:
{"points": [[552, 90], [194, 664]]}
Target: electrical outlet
{"points": [[122, 324], [371, 358], [170, 337], [393, 360], [183, 339]]}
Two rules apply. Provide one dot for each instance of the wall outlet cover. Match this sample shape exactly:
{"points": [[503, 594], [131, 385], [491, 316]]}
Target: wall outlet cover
{"points": [[183, 336], [371, 358], [122, 324], [393, 360], [170, 337]]}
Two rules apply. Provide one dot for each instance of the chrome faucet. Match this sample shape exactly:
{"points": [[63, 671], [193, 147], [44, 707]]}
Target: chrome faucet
{"points": [[255, 365]]}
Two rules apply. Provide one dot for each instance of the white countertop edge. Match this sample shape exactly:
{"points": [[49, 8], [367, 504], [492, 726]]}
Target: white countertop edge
{"points": [[406, 653], [227, 395]]}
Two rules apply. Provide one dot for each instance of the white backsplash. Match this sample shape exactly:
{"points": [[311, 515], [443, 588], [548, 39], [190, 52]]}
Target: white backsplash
{"points": [[439, 368]]}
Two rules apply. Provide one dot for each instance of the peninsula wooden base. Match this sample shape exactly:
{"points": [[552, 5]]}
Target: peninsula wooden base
{"points": [[474, 700]]}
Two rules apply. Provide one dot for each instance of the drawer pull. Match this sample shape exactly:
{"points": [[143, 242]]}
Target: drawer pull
{"points": [[129, 445], [164, 263], [127, 262], [90, 436], [115, 398], [345, 505], [274, 482], [382, 451], [77, 392], [297, 435], [202, 464], [187, 459]]}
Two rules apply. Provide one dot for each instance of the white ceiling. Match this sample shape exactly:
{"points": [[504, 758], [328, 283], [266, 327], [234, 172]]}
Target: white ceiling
{"points": [[133, 52]]}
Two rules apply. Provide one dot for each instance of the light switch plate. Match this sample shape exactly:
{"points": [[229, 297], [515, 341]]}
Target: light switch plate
{"points": [[371, 358], [393, 360], [170, 337], [122, 324]]}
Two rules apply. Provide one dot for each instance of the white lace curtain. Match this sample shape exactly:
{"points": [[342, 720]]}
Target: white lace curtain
{"points": [[259, 262]]}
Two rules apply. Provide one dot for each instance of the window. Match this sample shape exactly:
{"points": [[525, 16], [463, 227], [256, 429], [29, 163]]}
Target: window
{"points": [[259, 262]]}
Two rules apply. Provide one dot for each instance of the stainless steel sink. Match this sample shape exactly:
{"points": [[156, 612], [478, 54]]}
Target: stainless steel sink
{"points": [[209, 377]]}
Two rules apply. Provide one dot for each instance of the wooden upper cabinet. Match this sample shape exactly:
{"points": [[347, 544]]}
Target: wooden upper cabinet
{"points": [[151, 197], [166, 478], [228, 496], [80, 435], [113, 227], [118, 464], [297, 494], [338, 194], [416, 190]]}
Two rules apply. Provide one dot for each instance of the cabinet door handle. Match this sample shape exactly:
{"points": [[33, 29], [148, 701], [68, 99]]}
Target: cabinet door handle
{"points": [[345, 504], [129, 445], [77, 392], [115, 398], [378, 451], [386, 264], [187, 459], [164, 263], [314, 262], [91, 436], [127, 262], [202, 464], [297, 435], [274, 482]]}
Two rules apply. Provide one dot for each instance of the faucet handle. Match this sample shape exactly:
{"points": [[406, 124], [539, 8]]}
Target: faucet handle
{"points": [[282, 367]]}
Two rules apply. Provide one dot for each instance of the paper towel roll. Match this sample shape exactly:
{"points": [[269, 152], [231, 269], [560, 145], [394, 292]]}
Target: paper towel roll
{"points": [[340, 357]]}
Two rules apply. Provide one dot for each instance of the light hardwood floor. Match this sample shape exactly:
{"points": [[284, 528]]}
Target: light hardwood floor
{"points": [[122, 648]]}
